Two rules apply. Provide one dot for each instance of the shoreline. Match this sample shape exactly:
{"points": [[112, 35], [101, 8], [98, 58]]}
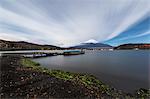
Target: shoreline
{"points": [[22, 77]]}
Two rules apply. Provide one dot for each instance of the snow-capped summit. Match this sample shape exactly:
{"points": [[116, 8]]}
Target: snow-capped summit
{"points": [[92, 44], [91, 41]]}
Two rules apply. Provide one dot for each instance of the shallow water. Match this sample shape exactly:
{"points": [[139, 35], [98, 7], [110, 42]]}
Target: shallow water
{"points": [[127, 70]]}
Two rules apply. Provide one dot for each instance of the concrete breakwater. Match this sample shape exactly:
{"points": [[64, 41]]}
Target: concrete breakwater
{"points": [[39, 54], [33, 53], [42, 53]]}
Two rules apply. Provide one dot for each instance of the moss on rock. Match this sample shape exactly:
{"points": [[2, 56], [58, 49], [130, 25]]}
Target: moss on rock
{"points": [[90, 81]]}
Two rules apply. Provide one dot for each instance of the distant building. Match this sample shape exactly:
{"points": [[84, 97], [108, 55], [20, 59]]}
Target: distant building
{"points": [[100, 48]]}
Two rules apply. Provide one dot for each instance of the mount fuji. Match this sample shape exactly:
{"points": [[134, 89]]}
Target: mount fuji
{"points": [[92, 44]]}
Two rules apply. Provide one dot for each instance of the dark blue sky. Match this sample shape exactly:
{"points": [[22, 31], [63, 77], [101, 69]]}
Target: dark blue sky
{"points": [[138, 33]]}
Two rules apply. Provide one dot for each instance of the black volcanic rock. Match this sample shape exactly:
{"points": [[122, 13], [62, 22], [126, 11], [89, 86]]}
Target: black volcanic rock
{"points": [[22, 45], [92, 45]]}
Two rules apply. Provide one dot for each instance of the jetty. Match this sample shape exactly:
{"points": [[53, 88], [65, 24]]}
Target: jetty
{"points": [[34, 53], [42, 53], [73, 52]]}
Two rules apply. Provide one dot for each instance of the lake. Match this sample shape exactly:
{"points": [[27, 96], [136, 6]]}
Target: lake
{"points": [[127, 70]]}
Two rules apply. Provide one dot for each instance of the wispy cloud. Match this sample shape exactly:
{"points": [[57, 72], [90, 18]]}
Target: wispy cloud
{"points": [[69, 22], [136, 36]]}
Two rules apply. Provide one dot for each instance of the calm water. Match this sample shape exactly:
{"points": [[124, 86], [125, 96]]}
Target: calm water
{"points": [[127, 70]]}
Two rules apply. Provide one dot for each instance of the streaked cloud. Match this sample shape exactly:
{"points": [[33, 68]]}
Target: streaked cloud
{"points": [[137, 33], [136, 36], [69, 22]]}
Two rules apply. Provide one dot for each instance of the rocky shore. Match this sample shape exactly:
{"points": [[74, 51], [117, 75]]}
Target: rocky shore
{"points": [[22, 78]]}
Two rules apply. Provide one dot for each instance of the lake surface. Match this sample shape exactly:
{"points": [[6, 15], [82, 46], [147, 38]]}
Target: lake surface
{"points": [[127, 70]]}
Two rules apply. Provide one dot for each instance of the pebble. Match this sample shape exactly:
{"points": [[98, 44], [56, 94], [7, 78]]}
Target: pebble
{"points": [[92, 91], [2, 94], [11, 63], [69, 91], [38, 87], [62, 87], [11, 94]]}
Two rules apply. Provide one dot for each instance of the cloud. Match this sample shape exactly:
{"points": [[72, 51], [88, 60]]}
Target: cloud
{"points": [[13, 37], [68, 22], [134, 16], [136, 36]]}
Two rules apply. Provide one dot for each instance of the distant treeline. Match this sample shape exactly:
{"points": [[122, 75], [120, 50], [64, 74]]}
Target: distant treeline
{"points": [[21, 45], [133, 46]]}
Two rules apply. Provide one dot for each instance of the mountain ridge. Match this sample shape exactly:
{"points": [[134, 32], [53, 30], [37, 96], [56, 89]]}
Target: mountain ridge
{"points": [[133, 46], [92, 45], [23, 45]]}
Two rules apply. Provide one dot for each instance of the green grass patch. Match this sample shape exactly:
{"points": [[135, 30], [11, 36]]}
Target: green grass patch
{"points": [[83, 78], [87, 80]]}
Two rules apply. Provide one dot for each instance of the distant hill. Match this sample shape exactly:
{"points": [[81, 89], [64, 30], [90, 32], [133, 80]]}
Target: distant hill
{"points": [[22, 45], [134, 46], [92, 46]]}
